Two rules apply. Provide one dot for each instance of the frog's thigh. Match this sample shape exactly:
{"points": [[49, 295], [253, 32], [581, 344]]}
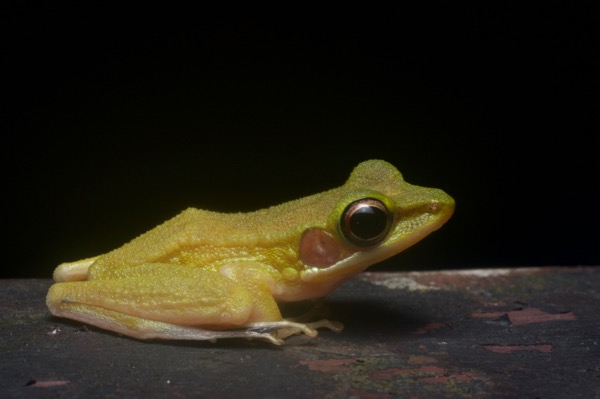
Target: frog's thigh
{"points": [[139, 304]]}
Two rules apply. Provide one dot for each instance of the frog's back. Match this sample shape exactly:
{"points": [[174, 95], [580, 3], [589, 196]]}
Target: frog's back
{"points": [[279, 225]]}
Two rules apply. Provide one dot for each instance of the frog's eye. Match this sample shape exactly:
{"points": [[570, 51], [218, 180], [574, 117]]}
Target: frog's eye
{"points": [[365, 222]]}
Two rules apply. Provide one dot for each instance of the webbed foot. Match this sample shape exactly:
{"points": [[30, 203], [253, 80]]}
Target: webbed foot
{"points": [[277, 331]]}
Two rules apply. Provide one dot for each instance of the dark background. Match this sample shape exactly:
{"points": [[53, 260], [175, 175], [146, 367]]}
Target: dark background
{"points": [[115, 119]]}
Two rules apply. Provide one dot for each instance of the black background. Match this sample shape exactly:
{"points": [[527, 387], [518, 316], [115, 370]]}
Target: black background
{"points": [[117, 118]]}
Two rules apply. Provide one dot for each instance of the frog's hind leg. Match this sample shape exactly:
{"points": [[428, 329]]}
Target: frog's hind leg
{"points": [[165, 301], [73, 271], [155, 301], [139, 328]]}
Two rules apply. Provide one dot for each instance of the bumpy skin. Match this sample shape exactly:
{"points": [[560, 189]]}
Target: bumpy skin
{"points": [[207, 275]]}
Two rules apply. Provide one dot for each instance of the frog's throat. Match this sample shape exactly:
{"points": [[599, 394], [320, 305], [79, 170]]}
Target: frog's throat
{"points": [[359, 261]]}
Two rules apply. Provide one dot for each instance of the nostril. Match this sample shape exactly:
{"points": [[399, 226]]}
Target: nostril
{"points": [[434, 207]]}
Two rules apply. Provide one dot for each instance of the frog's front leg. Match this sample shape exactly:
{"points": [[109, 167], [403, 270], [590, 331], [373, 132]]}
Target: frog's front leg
{"points": [[285, 328], [259, 278]]}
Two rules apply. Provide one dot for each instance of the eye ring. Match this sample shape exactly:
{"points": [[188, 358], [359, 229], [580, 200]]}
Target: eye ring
{"points": [[365, 222]]}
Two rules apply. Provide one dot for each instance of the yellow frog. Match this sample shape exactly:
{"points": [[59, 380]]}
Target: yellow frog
{"points": [[205, 275]]}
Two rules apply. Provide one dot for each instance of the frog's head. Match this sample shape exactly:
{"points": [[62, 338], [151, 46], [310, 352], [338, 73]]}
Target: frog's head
{"points": [[377, 215]]}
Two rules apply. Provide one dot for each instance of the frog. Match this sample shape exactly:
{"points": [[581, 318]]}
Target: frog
{"points": [[206, 275]]}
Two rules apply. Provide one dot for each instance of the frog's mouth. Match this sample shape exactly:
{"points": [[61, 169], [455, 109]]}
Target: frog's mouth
{"points": [[397, 242]]}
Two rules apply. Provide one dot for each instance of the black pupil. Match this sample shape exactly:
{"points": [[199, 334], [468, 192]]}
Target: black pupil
{"points": [[368, 222]]}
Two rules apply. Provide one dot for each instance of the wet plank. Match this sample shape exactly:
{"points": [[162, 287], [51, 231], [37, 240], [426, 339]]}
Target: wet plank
{"points": [[531, 332]]}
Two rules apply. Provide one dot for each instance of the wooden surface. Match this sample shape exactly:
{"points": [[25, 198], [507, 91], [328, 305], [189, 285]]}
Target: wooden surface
{"points": [[531, 333]]}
